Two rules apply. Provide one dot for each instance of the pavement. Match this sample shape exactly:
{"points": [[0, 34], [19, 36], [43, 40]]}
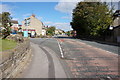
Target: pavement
{"points": [[45, 64]]}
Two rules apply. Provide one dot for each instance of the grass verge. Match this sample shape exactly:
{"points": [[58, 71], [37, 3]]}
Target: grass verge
{"points": [[7, 44]]}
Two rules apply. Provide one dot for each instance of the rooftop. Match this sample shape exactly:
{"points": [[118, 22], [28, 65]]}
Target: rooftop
{"points": [[14, 21]]}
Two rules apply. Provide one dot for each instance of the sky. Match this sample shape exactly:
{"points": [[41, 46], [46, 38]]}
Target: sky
{"points": [[57, 13]]}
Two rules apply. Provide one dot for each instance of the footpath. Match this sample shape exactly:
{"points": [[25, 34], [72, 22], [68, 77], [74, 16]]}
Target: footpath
{"points": [[44, 64]]}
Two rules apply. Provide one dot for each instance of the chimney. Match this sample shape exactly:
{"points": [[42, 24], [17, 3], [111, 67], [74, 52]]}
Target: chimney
{"points": [[33, 15]]}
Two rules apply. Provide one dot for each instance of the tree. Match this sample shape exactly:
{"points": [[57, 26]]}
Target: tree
{"points": [[91, 18], [68, 33], [51, 31], [6, 18]]}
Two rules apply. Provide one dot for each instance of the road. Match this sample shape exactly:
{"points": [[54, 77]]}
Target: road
{"points": [[65, 57]]}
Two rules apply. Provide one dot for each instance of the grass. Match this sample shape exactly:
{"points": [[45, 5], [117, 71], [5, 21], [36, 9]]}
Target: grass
{"points": [[7, 44]]}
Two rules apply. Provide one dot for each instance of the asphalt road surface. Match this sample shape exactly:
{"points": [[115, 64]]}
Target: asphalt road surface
{"points": [[65, 57]]}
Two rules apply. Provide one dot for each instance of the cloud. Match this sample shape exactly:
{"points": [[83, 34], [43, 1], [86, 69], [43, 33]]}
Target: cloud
{"points": [[66, 17], [5, 8], [26, 15], [15, 19], [63, 26], [51, 0], [66, 6], [39, 17], [48, 23], [59, 25]]}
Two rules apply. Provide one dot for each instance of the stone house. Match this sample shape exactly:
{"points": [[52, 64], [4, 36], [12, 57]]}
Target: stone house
{"points": [[116, 26], [33, 26]]}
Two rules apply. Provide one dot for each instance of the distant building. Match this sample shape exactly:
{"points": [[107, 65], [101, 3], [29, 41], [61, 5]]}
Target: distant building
{"points": [[20, 28], [117, 26], [59, 31], [32, 25], [117, 34], [116, 18], [115, 29], [14, 26], [44, 32]]}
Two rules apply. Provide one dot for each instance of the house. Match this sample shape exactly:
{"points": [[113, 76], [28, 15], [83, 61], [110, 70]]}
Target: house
{"points": [[15, 26], [116, 27], [117, 33], [33, 26], [59, 32], [1, 27], [44, 32], [20, 28]]}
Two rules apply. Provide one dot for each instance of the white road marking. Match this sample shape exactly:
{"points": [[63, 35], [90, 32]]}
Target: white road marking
{"points": [[61, 51]]}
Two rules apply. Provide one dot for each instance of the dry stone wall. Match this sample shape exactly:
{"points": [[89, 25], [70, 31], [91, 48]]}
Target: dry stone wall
{"points": [[10, 60]]}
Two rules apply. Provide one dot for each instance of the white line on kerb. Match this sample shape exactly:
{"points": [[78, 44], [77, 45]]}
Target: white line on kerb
{"points": [[61, 51]]}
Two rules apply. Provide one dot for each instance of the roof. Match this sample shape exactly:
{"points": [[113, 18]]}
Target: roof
{"points": [[14, 21], [117, 27], [117, 13], [33, 15]]}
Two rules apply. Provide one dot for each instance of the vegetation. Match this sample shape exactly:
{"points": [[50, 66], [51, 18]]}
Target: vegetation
{"points": [[7, 44], [68, 33], [51, 31], [91, 18], [6, 18]]}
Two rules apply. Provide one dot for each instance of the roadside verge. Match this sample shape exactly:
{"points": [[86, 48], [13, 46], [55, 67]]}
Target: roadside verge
{"points": [[13, 61]]}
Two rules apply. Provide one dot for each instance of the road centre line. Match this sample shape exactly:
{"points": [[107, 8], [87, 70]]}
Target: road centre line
{"points": [[60, 48]]}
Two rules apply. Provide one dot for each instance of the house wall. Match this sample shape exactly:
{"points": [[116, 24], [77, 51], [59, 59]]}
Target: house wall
{"points": [[58, 31], [14, 26], [34, 24], [117, 34], [44, 32]]}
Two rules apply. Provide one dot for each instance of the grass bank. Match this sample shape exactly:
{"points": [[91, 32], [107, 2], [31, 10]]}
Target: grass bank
{"points": [[7, 44]]}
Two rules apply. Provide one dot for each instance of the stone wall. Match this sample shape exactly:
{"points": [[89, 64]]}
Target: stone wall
{"points": [[13, 59]]}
